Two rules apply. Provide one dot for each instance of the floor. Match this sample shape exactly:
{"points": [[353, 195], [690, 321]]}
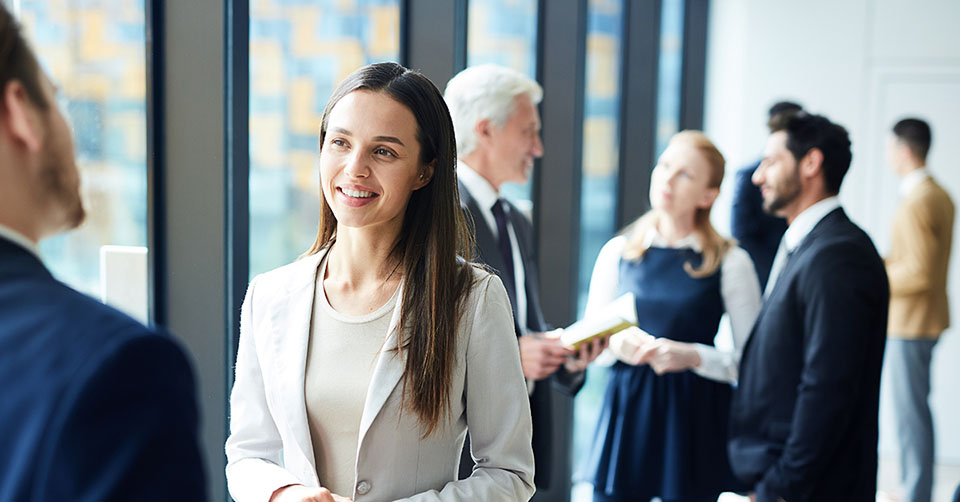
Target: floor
{"points": [[946, 479]]}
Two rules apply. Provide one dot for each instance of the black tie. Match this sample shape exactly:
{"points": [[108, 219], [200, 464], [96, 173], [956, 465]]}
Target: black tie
{"points": [[506, 251]]}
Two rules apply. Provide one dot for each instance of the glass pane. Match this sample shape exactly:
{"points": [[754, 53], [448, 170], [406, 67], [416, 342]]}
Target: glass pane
{"points": [[504, 32], [601, 139], [94, 50], [670, 72], [601, 135], [299, 51]]}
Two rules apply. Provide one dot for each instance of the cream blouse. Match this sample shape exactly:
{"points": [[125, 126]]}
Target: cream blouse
{"points": [[341, 357]]}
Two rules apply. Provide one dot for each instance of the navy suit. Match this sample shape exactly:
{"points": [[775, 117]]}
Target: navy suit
{"points": [[541, 407], [759, 233], [803, 422], [95, 406]]}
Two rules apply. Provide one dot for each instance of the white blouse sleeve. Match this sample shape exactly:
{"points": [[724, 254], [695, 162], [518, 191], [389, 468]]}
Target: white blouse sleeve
{"points": [[604, 285], [742, 300]]}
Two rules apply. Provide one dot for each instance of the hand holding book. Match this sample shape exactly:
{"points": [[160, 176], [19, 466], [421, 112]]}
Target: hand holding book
{"points": [[619, 315]]}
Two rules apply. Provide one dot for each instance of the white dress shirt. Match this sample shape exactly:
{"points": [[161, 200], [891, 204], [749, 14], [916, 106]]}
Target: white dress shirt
{"points": [[486, 196], [20, 240], [797, 231], [739, 288], [912, 179]]}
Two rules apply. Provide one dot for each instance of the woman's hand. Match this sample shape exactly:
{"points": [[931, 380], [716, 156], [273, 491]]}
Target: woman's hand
{"points": [[667, 356], [300, 493], [625, 344], [587, 353]]}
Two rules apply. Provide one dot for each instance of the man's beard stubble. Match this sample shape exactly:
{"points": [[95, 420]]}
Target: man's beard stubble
{"points": [[55, 185], [788, 193]]}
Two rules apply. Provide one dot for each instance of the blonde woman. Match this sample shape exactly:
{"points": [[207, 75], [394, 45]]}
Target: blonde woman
{"points": [[662, 429], [362, 365]]}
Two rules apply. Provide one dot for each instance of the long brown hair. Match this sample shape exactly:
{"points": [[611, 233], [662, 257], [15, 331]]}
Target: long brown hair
{"points": [[715, 246], [433, 234]]}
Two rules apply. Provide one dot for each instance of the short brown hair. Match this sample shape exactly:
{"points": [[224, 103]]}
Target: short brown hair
{"points": [[17, 61], [806, 131], [915, 133]]}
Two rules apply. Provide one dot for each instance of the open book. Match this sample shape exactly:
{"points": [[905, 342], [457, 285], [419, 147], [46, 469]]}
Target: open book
{"points": [[617, 316]]}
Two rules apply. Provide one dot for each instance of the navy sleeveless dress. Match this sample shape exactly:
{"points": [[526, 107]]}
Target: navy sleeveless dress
{"points": [[665, 435]]}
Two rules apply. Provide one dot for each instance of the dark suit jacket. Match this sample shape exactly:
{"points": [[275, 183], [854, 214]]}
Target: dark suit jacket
{"points": [[758, 232], [803, 421], [95, 406], [488, 253]]}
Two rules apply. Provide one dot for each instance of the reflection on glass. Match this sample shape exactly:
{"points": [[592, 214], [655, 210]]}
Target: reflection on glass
{"points": [[601, 139], [504, 32], [299, 51], [670, 73], [94, 50]]}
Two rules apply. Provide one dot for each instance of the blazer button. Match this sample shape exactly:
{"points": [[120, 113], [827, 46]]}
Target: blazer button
{"points": [[363, 487]]}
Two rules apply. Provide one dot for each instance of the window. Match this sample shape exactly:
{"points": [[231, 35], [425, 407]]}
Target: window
{"points": [[669, 88], [600, 165], [299, 51], [601, 135], [504, 32], [94, 50]]}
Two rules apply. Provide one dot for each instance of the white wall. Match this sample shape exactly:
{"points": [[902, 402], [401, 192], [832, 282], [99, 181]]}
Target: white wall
{"points": [[864, 64]]}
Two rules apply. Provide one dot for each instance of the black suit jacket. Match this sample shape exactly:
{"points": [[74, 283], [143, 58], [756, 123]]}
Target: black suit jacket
{"points": [[758, 232], [94, 405], [803, 423], [488, 253]]}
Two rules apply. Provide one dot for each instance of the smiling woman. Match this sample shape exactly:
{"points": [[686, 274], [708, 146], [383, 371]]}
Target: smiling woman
{"points": [[362, 365], [369, 163]]}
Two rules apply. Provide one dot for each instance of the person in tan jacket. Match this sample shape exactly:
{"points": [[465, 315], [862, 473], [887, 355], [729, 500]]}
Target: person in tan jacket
{"points": [[917, 269]]}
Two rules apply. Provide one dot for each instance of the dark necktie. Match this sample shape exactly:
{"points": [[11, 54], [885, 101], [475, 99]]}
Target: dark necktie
{"points": [[506, 251]]}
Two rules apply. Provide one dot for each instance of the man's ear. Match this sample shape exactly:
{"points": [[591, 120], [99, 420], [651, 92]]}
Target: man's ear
{"points": [[426, 174], [812, 163], [19, 117], [483, 130]]}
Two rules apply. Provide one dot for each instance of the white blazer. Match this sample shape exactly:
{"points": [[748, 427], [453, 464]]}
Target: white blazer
{"points": [[269, 445]]}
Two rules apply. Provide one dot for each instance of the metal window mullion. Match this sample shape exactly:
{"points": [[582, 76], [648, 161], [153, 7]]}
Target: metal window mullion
{"points": [[638, 107]]}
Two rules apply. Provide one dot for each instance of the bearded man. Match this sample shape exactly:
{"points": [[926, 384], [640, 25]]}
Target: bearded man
{"points": [[803, 421], [95, 406]]}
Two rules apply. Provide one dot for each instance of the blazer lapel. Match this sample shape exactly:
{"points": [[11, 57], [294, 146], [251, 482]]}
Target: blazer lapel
{"points": [[525, 241], [786, 275], [386, 374], [485, 238], [487, 243], [290, 321]]}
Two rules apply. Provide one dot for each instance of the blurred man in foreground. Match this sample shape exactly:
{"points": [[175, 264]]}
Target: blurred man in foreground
{"points": [[95, 406]]}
